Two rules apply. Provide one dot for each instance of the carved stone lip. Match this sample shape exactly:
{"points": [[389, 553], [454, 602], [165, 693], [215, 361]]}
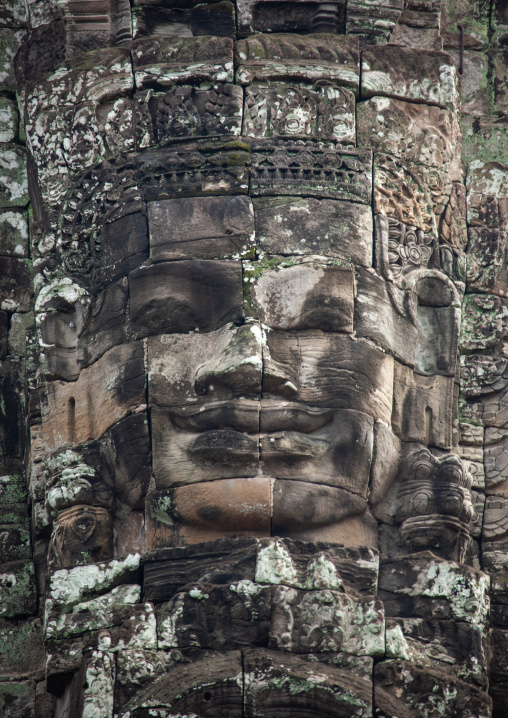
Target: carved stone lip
{"points": [[292, 416], [223, 446], [251, 416], [240, 415]]}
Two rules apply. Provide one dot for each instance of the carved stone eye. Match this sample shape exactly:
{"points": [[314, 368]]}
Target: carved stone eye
{"points": [[452, 504], [421, 503]]}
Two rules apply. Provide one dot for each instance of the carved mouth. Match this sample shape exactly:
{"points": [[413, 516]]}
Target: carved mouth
{"points": [[251, 417], [239, 415], [223, 446]]}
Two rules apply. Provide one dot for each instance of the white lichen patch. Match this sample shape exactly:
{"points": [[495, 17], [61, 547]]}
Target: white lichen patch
{"points": [[70, 586], [167, 628], [99, 691], [274, 565], [467, 592]]}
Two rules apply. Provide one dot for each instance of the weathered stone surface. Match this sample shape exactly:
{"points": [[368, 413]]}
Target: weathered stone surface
{"points": [[331, 514], [277, 57], [437, 589], [185, 369], [82, 118], [104, 393], [194, 686], [331, 456], [21, 324], [208, 511], [280, 110], [204, 227], [9, 43], [281, 683], [403, 689], [307, 621], [313, 293], [414, 194], [81, 534], [316, 566], [256, 16], [21, 649], [414, 132], [15, 284], [13, 233], [123, 246], [378, 316], [224, 561], [216, 18], [165, 60], [15, 14], [118, 608], [289, 225], [131, 446], [18, 594], [185, 296], [18, 699], [105, 326], [391, 71], [136, 668], [187, 112], [434, 503], [99, 683], [70, 586], [216, 617], [423, 407], [8, 120], [487, 191], [451, 647], [373, 23], [319, 370], [202, 167], [310, 168]]}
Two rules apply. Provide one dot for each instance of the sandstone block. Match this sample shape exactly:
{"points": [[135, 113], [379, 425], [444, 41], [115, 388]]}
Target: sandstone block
{"points": [[283, 682], [104, 394], [398, 683], [281, 110], [391, 71], [312, 293], [204, 227], [164, 60], [18, 593], [418, 133], [216, 617], [321, 621], [304, 226], [275, 57], [21, 649], [184, 296]]}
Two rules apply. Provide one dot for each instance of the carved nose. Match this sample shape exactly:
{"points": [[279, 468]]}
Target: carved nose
{"points": [[237, 370]]}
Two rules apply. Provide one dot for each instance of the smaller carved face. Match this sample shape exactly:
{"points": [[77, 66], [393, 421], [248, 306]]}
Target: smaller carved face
{"points": [[81, 535], [434, 504]]}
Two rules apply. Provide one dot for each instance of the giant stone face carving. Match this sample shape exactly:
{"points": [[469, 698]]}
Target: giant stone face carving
{"points": [[251, 257]]}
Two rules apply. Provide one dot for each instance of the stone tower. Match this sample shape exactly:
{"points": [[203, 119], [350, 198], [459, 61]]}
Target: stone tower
{"points": [[253, 359]]}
